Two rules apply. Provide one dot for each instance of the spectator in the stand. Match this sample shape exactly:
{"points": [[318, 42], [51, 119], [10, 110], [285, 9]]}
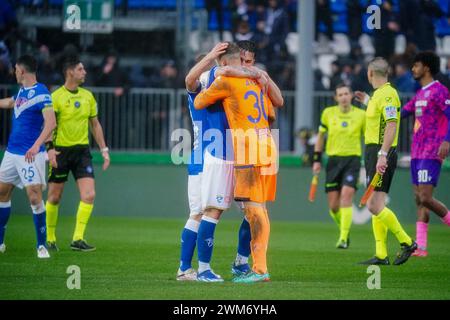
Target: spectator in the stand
{"points": [[137, 77], [355, 11], [47, 73], [243, 10], [417, 19], [8, 19], [277, 27], [243, 32], [335, 78], [217, 6], [342, 72], [168, 76], [403, 80], [111, 75], [6, 69], [384, 38], [286, 78], [318, 84], [323, 15], [262, 41]]}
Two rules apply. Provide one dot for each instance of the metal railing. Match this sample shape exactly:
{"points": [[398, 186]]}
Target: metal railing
{"points": [[143, 119]]}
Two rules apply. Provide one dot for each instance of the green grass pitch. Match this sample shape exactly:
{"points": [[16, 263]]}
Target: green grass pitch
{"points": [[137, 258]]}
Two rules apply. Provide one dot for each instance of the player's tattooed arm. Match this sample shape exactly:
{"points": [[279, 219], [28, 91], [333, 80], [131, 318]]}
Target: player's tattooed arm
{"points": [[274, 92], [238, 72], [7, 103], [192, 79]]}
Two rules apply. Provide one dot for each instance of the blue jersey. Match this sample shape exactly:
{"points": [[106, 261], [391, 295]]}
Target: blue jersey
{"points": [[27, 118], [199, 125], [217, 120]]}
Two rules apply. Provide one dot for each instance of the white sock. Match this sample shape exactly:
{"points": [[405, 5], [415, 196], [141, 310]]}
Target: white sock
{"points": [[203, 266], [240, 260]]}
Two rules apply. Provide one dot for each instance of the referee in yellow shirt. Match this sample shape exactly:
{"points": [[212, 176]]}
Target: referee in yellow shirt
{"points": [[76, 111], [381, 137], [344, 125]]}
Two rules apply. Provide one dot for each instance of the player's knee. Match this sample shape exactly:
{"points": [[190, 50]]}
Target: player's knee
{"points": [[54, 198], [35, 200], [88, 196], [374, 207], [335, 208], [425, 198], [213, 213]]}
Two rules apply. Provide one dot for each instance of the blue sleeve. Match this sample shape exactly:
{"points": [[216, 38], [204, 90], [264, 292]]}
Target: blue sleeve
{"points": [[405, 113], [447, 113], [212, 76]]}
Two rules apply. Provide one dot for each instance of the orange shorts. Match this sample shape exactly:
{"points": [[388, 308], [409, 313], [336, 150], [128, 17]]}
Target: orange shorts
{"points": [[253, 184]]}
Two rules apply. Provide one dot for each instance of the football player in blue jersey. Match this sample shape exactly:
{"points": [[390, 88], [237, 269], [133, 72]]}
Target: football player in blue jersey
{"points": [[23, 164]]}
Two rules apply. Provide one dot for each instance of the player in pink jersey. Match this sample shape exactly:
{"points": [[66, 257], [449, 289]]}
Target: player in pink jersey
{"points": [[431, 142]]}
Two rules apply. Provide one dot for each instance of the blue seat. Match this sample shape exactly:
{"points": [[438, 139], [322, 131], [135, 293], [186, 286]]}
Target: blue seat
{"points": [[338, 6]]}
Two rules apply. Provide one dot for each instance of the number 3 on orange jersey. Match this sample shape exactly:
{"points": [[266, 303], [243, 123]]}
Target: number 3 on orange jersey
{"points": [[259, 106]]}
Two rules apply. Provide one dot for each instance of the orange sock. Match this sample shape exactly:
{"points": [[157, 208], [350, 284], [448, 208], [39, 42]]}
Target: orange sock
{"points": [[260, 231]]}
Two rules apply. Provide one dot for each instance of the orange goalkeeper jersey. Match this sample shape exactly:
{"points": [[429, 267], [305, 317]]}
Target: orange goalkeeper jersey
{"points": [[248, 110]]}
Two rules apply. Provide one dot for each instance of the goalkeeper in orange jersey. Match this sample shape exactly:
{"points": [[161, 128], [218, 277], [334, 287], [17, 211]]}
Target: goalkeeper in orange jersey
{"points": [[256, 158]]}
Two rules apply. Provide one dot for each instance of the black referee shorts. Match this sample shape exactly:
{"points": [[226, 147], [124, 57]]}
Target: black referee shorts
{"points": [[342, 171], [371, 159], [76, 159]]}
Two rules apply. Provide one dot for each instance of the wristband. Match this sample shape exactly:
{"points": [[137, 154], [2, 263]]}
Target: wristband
{"points": [[105, 149], [49, 145], [317, 156], [382, 153]]}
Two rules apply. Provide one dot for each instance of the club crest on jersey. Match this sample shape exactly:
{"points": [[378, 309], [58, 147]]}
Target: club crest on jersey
{"points": [[77, 104], [219, 199], [344, 124], [31, 93]]}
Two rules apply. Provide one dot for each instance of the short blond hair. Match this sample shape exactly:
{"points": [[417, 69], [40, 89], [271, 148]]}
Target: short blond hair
{"points": [[380, 67]]}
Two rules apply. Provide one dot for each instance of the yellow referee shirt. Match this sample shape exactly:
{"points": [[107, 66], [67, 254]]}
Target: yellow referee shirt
{"points": [[344, 130], [383, 107], [73, 111]]}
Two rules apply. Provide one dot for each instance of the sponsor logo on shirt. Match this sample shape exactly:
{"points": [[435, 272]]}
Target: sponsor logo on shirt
{"points": [[31, 93], [391, 112], [421, 103]]}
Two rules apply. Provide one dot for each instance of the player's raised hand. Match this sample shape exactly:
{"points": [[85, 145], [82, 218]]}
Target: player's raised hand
{"points": [[444, 150], [106, 160], [31, 154], [362, 97], [219, 49]]}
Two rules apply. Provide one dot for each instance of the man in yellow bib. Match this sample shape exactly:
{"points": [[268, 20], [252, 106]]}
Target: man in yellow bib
{"points": [[76, 111], [381, 137], [344, 126]]}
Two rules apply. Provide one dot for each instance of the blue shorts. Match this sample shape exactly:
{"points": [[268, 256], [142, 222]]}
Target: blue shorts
{"points": [[425, 171]]}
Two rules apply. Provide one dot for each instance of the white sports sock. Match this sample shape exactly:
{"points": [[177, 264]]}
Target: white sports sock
{"points": [[203, 266], [240, 260]]}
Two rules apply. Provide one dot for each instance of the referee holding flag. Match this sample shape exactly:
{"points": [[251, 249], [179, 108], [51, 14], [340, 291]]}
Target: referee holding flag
{"points": [[381, 137]]}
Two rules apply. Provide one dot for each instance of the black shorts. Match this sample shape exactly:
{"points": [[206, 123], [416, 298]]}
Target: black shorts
{"points": [[76, 159], [371, 159], [342, 171]]}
